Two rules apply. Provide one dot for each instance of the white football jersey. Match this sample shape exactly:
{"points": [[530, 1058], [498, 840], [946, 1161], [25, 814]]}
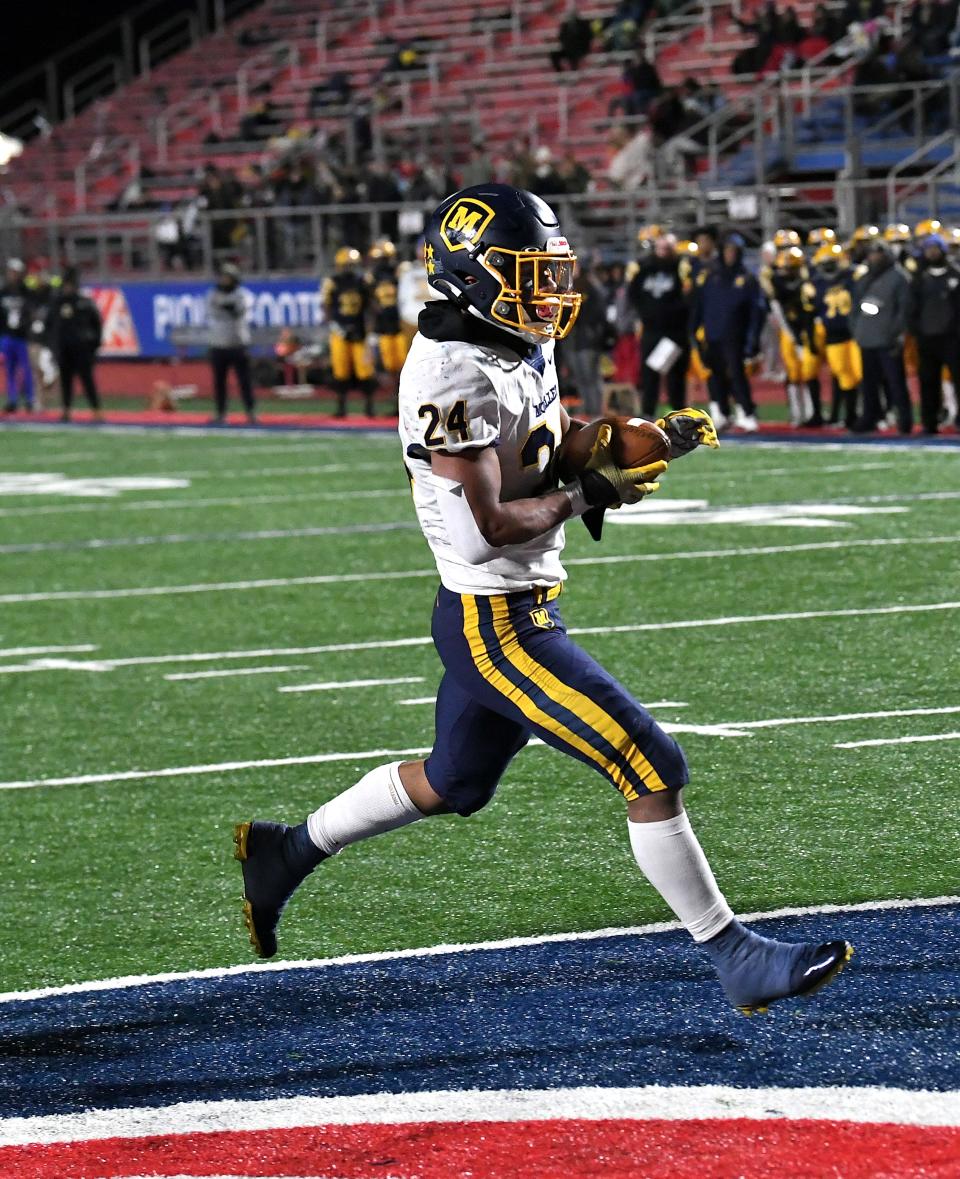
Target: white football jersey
{"points": [[455, 396]]}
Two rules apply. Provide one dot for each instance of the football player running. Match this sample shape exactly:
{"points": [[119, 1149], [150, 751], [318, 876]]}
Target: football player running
{"points": [[480, 422]]}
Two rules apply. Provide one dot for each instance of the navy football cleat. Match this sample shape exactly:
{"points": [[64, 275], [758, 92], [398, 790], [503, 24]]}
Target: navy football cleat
{"points": [[756, 971], [275, 859]]}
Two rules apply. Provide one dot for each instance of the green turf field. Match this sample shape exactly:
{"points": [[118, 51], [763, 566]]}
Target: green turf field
{"points": [[114, 877]]}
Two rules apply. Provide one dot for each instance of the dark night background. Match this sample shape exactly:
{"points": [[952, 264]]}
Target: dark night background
{"points": [[34, 30]]}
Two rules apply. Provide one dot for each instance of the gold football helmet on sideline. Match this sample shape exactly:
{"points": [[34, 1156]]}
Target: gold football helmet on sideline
{"points": [[824, 236], [784, 239]]}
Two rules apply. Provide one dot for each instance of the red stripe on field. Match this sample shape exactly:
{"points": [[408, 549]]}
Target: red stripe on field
{"points": [[575, 1149]]}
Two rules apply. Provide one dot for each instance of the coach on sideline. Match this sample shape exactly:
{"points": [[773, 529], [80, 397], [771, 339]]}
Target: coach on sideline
{"points": [[229, 340]]}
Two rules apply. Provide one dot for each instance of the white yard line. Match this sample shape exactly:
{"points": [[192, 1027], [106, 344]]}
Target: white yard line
{"points": [[153, 591], [225, 767], [75, 647], [333, 685], [170, 538], [509, 943], [867, 1105], [800, 470], [239, 501], [426, 640], [229, 671], [898, 740], [721, 729]]}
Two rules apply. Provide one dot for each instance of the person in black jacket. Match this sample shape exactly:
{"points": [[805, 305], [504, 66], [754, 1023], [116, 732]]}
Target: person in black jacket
{"points": [[575, 36], [656, 293], [934, 318], [75, 332], [591, 335], [728, 315]]}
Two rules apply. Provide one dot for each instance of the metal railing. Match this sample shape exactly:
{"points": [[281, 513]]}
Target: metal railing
{"points": [[98, 79], [302, 240], [264, 66], [202, 108], [176, 33]]}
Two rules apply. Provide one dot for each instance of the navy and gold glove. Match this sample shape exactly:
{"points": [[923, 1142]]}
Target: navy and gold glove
{"points": [[605, 485], [687, 429]]}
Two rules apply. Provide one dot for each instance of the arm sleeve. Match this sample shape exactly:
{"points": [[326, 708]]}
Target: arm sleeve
{"points": [[455, 407]]}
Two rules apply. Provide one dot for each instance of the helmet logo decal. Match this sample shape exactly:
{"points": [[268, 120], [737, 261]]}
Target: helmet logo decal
{"points": [[468, 219]]}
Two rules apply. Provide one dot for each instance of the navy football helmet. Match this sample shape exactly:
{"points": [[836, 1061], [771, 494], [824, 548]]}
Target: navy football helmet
{"points": [[498, 253]]}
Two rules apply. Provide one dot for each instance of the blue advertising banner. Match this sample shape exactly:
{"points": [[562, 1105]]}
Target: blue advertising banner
{"points": [[139, 317]]}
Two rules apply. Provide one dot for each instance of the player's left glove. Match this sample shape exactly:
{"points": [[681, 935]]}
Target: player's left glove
{"points": [[687, 429]]}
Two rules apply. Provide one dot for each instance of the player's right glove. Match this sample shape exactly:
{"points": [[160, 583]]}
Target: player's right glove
{"points": [[605, 485], [687, 429]]}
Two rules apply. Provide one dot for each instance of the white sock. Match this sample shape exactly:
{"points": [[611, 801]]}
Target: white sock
{"points": [[670, 856], [377, 803]]}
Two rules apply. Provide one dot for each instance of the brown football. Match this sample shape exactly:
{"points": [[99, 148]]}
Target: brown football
{"points": [[635, 443]]}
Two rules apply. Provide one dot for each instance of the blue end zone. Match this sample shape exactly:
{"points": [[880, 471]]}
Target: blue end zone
{"points": [[610, 1012]]}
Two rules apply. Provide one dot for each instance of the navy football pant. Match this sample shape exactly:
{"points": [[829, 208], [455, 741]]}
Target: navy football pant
{"points": [[511, 672], [16, 359]]}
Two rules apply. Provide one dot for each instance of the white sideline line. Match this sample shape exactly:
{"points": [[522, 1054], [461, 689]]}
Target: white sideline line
{"points": [[332, 685], [228, 671], [224, 767], [75, 647], [122, 542], [426, 640], [898, 740], [373, 493], [722, 729], [867, 1105], [158, 591], [149, 505], [509, 943], [419, 700]]}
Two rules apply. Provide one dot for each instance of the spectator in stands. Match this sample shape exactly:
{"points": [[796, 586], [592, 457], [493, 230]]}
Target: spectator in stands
{"points": [[546, 181], [295, 190], [589, 339], [930, 24], [668, 120], [641, 85], [575, 36], [632, 161], [406, 56], [871, 70], [479, 167], [879, 321], [934, 321], [862, 11], [764, 29], [826, 26], [622, 31], [337, 90], [263, 122], [229, 341], [699, 101], [789, 31], [379, 187], [219, 194], [75, 331], [575, 177], [657, 295], [16, 314]]}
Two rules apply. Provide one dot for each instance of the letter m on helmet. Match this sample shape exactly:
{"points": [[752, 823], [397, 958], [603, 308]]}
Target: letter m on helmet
{"points": [[467, 219]]}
